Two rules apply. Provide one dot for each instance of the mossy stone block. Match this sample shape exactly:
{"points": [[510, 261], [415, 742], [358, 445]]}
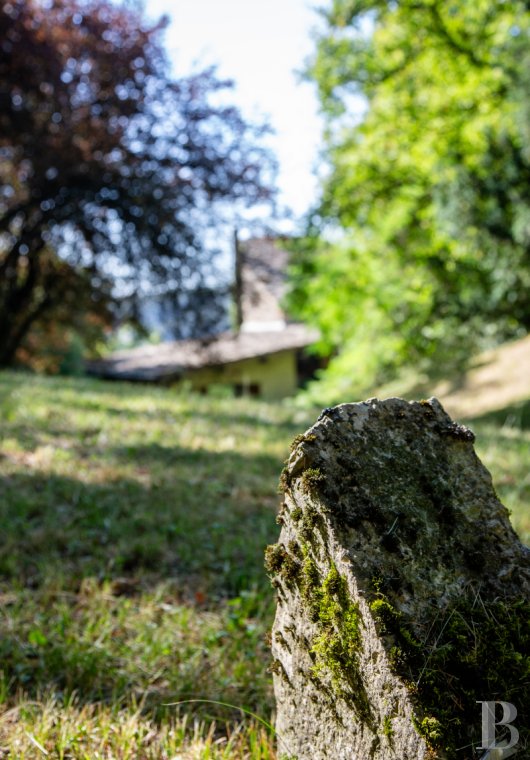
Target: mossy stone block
{"points": [[402, 590]]}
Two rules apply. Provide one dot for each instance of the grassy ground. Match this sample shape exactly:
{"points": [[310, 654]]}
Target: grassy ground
{"points": [[133, 523]]}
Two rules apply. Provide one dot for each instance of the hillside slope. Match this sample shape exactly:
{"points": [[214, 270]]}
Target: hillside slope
{"points": [[498, 379]]}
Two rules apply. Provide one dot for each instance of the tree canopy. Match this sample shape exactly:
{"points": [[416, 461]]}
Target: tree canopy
{"points": [[108, 162], [428, 144]]}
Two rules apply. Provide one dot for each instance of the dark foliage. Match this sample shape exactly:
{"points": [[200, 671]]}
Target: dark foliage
{"points": [[107, 161]]}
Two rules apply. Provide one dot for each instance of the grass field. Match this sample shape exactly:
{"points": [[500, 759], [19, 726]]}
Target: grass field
{"points": [[131, 565]]}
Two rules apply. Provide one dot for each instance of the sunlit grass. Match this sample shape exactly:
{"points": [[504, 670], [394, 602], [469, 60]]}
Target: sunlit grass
{"points": [[69, 729], [131, 565], [134, 524]]}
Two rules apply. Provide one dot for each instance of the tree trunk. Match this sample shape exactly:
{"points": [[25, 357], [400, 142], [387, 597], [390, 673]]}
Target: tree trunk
{"points": [[18, 306], [12, 333]]}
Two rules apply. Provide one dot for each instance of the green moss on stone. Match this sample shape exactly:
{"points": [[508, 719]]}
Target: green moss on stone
{"points": [[388, 729], [431, 730], [302, 438], [311, 519], [280, 562], [311, 478], [475, 650], [280, 518], [384, 614], [285, 480], [275, 555], [296, 514], [335, 649]]}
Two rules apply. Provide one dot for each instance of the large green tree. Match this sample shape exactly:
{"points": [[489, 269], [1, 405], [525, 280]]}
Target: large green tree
{"points": [[428, 193], [108, 161]]}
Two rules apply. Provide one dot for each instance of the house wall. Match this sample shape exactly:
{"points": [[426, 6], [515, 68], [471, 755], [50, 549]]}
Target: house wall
{"points": [[274, 374]]}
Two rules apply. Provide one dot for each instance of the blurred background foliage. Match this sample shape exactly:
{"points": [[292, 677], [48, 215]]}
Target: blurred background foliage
{"points": [[418, 252], [115, 176], [113, 173]]}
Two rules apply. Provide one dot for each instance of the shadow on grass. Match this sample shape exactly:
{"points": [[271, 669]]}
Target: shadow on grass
{"points": [[198, 526], [135, 571], [199, 514]]}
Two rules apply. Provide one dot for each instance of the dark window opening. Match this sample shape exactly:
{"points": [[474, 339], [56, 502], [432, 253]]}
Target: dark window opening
{"points": [[252, 389]]}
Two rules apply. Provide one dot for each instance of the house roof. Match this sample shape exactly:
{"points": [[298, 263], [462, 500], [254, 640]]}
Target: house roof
{"points": [[264, 331], [167, 360]]}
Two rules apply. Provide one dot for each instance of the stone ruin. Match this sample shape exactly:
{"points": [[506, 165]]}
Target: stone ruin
{"points": [[402, 592]]}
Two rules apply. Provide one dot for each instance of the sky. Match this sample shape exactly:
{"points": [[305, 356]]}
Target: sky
{"points": [[260, 44]]}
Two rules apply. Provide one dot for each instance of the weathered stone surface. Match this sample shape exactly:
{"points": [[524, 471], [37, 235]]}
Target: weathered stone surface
{"points": [[402, 590]]}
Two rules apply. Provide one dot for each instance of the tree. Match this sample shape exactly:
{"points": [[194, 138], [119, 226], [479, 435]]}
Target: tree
{"points": [[78, 318], [429, 152], [107, 161]]}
